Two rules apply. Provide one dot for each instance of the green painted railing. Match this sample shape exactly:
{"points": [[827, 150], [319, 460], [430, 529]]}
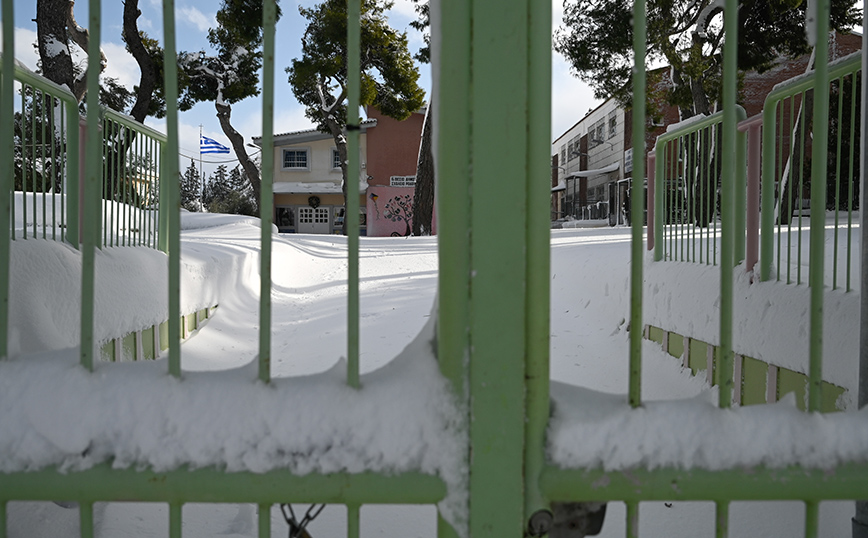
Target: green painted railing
{"points": [[789, 136], [131, 181], [46, 140], [493, 300], [47, 193], [688, 189]]}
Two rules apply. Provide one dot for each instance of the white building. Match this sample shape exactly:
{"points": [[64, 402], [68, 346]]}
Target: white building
{"points": [[588, 166]]}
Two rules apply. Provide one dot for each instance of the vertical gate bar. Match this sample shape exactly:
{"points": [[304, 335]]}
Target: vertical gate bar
{"points": [[651, 169], [105, 164], [837, 198], [801, 189], [812, 519], [108, 163], [33, 92], [351, 213], [42, 120], [73, 178], [452, 130], [638, 203], [174, 507], [264, 524], [851, 179], [163, 203], [42, 159], [141, 144], [721, 512], [91, 211], [818, 202], [3, 503], [172, 201], [729, 172], [61, 172], [659, 189], [54, 168], [7, 175], [23, 168], [353, 530], [860, 521], [633, 515], [694, 175], [125, 186], [266, 204], [740, 197], [790, 178], [538, 251], [85, 510], [497, 299], [716, 186], [752, 204], [702, 200]]}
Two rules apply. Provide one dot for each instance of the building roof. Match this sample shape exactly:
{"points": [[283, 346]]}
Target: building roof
{"points": [[307, 135]]}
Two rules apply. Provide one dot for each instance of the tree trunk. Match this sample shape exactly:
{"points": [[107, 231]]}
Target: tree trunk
{"points": [[224, 114], [341, 145], [423, 199], [148, 79], [51, 30]]}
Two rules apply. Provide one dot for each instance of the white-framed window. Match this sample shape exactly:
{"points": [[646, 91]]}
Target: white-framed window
{"points": [[336, 158], [296, 159], [597, 133], [613, 123], [402, 181], [563, 154]]}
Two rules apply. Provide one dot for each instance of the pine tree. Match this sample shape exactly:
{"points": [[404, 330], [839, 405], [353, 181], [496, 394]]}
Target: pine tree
{"points": [[389, 78], [229, 192], [190, 185]]}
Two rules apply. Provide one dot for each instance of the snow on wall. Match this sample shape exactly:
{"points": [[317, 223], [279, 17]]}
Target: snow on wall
{"points": [[595, 430]]}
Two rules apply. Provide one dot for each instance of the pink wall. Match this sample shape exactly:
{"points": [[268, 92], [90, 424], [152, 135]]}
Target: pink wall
{"points": [[386, 212]]}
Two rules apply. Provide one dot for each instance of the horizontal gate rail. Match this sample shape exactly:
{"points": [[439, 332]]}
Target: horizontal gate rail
{"points": [[843, 482], [102, 482]]}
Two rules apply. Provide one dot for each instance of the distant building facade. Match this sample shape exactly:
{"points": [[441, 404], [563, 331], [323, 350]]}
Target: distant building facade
{"points": [[592, 162], [307, 177]]}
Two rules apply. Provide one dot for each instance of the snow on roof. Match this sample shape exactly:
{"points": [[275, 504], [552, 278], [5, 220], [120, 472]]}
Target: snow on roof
{"points": [[312, 187], [306, 135]]}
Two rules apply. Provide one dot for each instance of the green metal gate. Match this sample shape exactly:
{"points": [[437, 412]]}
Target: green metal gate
{"points": [[493, 71]]}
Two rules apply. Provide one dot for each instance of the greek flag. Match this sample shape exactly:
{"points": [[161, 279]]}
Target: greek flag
{"points": [[208, 145]]}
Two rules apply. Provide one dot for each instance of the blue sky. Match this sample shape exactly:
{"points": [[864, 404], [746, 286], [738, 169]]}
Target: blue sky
{"points": [[571, 98]]}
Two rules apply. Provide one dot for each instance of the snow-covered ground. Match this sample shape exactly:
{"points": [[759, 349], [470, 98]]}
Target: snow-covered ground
{"points": [[590, 303]]}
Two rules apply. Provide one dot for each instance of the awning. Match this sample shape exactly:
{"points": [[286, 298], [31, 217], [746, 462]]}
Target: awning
{"points": [[595, 172]]}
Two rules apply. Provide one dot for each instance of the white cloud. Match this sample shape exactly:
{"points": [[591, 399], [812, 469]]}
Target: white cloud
{"points": [[194, 17], [121, 64], [24, 50], [403, 8]]}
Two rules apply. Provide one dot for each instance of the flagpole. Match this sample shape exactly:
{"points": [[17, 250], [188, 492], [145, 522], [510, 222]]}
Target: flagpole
{"points": [[202, 179]]}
